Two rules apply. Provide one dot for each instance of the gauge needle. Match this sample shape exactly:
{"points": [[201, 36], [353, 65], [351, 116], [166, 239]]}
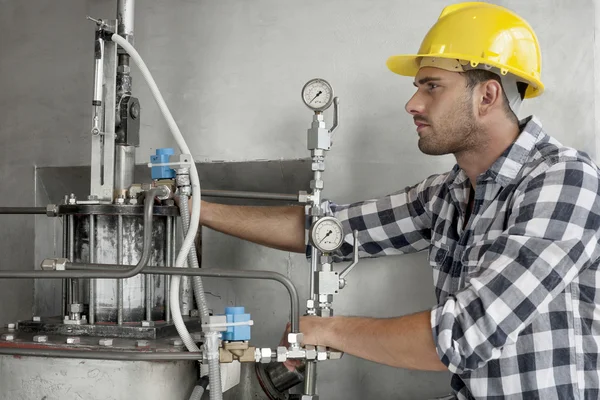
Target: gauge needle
{"points": [[313, 99], [325, 237]]}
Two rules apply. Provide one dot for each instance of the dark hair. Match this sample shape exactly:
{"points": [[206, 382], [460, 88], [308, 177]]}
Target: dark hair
{"points": [[476, 76]]}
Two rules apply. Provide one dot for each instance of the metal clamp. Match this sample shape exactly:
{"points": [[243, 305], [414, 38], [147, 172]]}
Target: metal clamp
{"points": [[349, 268]]}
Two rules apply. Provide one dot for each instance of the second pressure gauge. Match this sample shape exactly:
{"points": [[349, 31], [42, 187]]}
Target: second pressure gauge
{"points": [[317, 94], [327, 234]]}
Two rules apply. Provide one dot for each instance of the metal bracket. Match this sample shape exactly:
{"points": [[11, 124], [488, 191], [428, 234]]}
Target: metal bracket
{"points": [[349, 268]]}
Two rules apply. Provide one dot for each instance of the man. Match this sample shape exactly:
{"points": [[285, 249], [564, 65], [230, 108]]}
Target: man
{"points": [[512, 231]]}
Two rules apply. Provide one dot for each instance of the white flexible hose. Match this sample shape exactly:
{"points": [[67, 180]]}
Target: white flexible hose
{"points": [[194, 218]]}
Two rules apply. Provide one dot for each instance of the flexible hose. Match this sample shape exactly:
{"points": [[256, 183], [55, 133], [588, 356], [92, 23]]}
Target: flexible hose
{"points": [[193, 261], [195, 217], [197, 393]]}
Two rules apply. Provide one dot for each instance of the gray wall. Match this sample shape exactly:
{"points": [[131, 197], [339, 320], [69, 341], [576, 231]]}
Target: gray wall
{"points": [[231, 71]]}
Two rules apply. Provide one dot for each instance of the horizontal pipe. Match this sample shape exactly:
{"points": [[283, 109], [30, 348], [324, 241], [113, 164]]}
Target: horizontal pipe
{"points": [[22, 210], [101, 355], [99, 274], [219, 273], [236, 194]]}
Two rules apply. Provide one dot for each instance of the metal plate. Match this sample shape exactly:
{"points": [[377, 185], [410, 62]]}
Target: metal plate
{"points": [[114, 209], [134, 330]]}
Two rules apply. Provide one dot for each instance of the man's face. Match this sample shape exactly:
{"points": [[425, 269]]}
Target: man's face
{"points": [[442, 109]]}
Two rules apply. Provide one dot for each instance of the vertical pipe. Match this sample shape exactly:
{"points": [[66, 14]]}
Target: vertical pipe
{"points": [[125, 14], [310, 379], [119, 261], [92, 257], [168, 255], [147, 296], [65, 252], [124, 166], [73, 289]]}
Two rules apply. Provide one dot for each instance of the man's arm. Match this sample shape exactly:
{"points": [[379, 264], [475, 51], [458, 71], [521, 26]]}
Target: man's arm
{"points": [[277, 227], [404, 342]]}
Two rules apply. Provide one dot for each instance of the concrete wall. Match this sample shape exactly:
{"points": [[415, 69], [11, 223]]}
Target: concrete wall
{"points": [[231, 71]]}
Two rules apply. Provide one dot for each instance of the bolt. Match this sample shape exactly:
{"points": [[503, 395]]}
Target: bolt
{"points": [[147, 323], [9, 337], [12, 326], [120, 199], [40, 338], [310, 303], [37, 319], [142, 343], [177, 342], [194, 313], [72, 199], [105, 342], [73, 340], [135, 110], [281, 354]]}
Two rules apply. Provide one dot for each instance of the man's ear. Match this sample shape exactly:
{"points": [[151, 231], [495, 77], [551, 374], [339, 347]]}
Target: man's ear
{"points": [[490, 95]]}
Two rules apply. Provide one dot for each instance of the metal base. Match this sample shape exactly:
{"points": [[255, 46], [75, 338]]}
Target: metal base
{"points": [[130, 330]]}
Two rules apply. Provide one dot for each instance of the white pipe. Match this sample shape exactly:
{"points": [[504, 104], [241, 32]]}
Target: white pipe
{"points": [[194, 218]]}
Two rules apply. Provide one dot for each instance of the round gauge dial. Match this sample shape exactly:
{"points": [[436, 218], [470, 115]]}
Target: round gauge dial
{"points": [[327, 234], [317, 94]]}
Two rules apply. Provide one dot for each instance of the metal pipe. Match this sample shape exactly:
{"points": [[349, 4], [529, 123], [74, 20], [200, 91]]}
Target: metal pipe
{"points": [[92, 251], [310, 378], [235, 194], [218, 273], [124, 166], [22, 210], [148, 298], [73, 287], [120, 261], [125, 14], [65, 282], [101, 355], [144, 258], [168, 260]]}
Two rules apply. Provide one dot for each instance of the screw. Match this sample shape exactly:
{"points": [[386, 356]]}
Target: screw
{"points": [[9, 337], [142, 343], [37, 319], [40, 338], [73, 340], [105, 342]]}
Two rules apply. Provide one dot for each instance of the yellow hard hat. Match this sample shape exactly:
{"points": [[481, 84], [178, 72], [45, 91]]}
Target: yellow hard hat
{"points": [[480, 34]]}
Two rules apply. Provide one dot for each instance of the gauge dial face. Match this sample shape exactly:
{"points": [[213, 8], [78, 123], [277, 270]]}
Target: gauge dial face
{"points": [[317, 94], [327, 234]]}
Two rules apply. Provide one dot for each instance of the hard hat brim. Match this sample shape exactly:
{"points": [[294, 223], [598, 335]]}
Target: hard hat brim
{"points": [[409, 65]]}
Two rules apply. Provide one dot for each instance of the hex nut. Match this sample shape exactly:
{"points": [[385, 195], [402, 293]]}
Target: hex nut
{"points": [[37, 319], [281, 354], [11, 326], [9, 337], [73, 340], [147, 323], [310, 352], [295, 338], [142, 343], [335, 355], [310, 303], [40, 338], [321, 353], [265, 355], [51, 210], [325, 298], [105, 342], [177, 342]]}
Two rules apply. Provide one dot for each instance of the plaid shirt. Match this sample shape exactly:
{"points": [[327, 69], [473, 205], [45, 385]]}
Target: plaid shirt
{"points": [[518, 288]]}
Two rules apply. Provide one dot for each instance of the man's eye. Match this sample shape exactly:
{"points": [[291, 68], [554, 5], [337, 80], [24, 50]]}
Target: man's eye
{"points": [[432, 86]]}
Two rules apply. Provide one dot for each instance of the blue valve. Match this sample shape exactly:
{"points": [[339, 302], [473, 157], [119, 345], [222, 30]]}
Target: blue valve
{"points": [[162, 156], [236, 333]]}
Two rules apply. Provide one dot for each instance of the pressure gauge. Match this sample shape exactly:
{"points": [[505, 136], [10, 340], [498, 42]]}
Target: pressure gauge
{"points": [[327, 234], [317, 94]]}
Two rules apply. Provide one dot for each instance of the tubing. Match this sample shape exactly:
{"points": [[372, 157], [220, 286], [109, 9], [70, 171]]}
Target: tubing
{"points": [[195, 217], [236, 194], [197, 393], [22, 210], [101, 355], [100, 273], [193, 262], [224, 273]]}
